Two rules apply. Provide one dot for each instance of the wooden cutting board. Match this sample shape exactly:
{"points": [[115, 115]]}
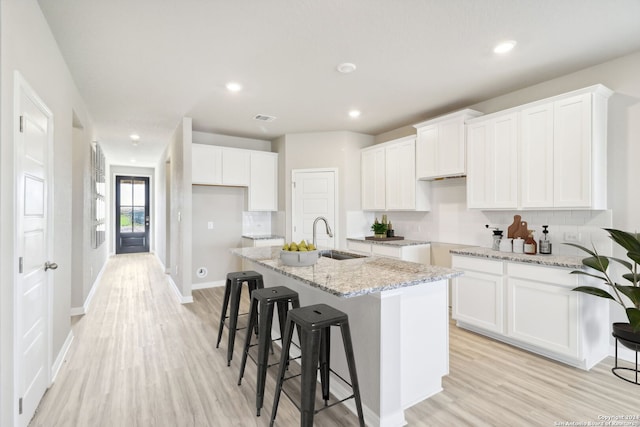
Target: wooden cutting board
{"points": [[511, 231], [523, 230]]}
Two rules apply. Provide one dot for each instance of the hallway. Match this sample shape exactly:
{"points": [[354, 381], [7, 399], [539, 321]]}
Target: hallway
{"points": [[139, 358]]}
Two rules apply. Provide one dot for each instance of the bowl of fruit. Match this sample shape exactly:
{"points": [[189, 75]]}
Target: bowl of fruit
{"points": [[300, 254]]}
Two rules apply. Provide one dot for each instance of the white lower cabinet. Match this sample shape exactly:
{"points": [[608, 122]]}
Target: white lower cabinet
{"points": [[478, 295], [414, 253], [532, 307]]}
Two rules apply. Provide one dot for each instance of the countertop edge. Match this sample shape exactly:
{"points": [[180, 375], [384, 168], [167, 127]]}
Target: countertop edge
{"points": [[404, 242], [451, 273], [561, 261]]}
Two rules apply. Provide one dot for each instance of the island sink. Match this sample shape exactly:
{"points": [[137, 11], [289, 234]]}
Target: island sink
{"points": [[340, 255]]}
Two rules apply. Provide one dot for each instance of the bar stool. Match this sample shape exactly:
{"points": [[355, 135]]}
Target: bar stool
{"points": [[314, 323], [263, 301], [232, 290]]}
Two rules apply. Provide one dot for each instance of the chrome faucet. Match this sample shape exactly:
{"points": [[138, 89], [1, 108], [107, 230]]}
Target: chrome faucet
{"points": [[326, 224]]}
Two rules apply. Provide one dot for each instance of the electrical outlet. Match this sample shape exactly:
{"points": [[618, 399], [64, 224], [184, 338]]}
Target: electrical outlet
{"points": [[572, 236]]}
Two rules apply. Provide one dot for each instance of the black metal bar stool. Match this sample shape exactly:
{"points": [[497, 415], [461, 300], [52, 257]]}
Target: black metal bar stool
{"points": [[263, 302], [232, 291], [314, 324]]}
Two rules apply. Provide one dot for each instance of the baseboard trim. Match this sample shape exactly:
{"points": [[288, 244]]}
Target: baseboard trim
{"points": [[207, 285], [79, 311], [57, 364], [181, 298]]}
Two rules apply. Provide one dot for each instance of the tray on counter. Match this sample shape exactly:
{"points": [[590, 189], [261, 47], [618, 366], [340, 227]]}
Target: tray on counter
{"points": [[382, 239]]}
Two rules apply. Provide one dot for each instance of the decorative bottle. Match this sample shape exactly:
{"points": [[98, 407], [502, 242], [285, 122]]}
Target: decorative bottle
{"points": [[530, 247], [545, 244]]}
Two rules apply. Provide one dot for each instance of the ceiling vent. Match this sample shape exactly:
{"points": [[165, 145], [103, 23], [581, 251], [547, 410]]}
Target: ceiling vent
{"points": [[264, 118]]}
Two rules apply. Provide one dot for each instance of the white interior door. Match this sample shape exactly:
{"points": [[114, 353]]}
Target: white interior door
{"points": [[314, 195], [33, 348]]}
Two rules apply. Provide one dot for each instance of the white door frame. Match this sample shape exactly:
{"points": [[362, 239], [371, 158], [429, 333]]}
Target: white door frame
{"points": [[335, 227], [22, 87]]}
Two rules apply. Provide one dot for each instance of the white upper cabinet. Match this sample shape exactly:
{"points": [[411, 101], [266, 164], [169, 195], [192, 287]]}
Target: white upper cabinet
{"points": [[206, 164], [235, 167], [388, 177], [401, 175], [258, 170], [561, 154], [373, 186], [492, 159], [263, 186], [440, 145]]}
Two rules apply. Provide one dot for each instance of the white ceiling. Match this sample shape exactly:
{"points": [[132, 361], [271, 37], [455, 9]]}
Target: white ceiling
{"points": [[142, 65]]}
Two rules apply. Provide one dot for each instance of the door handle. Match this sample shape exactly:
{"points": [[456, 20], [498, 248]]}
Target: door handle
{"points": [[50, 266]]}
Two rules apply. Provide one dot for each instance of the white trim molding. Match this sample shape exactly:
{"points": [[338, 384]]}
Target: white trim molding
{"points": [[57, 364], [208, 285], [79, 311], [181, 298]]}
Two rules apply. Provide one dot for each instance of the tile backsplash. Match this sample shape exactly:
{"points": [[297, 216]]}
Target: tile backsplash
{"points": [[256, 223]]}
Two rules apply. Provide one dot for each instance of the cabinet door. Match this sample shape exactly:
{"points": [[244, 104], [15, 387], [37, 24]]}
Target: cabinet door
{"points": [[263, 185], [478, 299], [206, 164], [451, 148], [492, 163], [387, 251], [235, 167], [536, 145], [479, 165], [504, 181], [401, 175], [543, 315], [359, 246], [373, 179], [426, 152], [572, 152]]}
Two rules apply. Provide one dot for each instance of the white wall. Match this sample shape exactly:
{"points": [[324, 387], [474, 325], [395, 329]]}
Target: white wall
{"points": [[340, 150], [27, 45]]}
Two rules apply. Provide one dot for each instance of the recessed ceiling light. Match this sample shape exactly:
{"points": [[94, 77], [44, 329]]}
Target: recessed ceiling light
{"points": [[234, 86], [354, 114], [505, 46], [134, 137], [346, 67], [133, 160]]}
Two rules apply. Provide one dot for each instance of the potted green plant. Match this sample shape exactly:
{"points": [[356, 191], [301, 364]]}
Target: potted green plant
{"points": [[379, 229], [629, 332]]}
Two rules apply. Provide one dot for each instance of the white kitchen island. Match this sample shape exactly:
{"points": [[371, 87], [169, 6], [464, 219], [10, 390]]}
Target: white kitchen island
{"points": [[398, 313]]}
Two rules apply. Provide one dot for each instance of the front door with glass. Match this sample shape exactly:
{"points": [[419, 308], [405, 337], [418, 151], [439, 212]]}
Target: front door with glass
{"points": [[132, 214]]}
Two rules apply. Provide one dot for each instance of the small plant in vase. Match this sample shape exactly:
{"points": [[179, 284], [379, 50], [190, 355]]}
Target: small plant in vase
{"points": [[379, 229]]}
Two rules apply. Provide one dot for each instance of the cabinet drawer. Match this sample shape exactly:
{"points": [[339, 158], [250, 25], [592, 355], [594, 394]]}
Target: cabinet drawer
{"points": [[359, 246], [483, 265], [557, 276], [388, 251]]}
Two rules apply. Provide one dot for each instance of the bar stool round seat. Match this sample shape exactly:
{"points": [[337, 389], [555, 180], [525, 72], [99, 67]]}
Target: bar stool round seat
{"points": [[314, 324], [232, 292], [263, 302]]}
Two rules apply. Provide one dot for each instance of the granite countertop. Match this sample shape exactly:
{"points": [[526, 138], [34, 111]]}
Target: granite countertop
{"points": [[353, 277], [564, 261], [404, 242], [262, 236]]}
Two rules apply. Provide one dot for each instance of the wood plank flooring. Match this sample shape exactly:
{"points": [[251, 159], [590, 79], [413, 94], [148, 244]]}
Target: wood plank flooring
{"points": [[140, 358]]}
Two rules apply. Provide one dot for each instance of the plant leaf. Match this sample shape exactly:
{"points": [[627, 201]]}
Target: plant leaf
{"points": [[584, 273], [633, 278], [599, 263], [594, 291], [633, 314], [582, 248], [625, 239], [632, 292], [635, 256]]}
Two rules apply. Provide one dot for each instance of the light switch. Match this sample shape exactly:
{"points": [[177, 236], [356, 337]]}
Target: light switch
{"points": [[210, 225]]}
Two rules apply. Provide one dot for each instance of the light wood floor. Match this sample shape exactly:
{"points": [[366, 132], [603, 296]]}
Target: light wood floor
{"points": [[140, 358]]}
